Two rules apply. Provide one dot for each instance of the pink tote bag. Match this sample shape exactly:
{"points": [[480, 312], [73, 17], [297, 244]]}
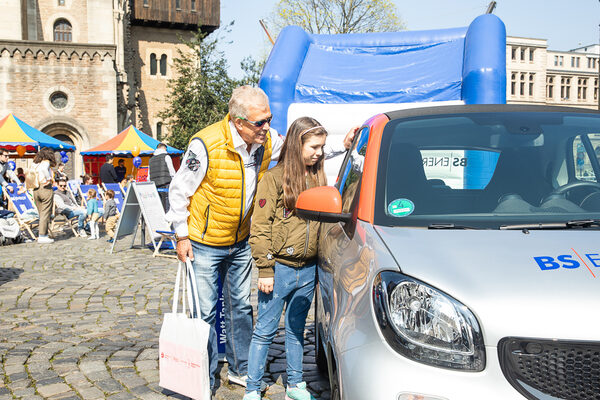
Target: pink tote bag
{"points": [[182, 346]]}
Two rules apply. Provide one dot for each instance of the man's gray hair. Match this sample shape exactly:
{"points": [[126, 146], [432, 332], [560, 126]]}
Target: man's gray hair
{"points": [[245, 96]]}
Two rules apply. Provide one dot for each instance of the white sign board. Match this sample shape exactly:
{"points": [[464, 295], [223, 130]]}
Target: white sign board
{"points": [[142, 199]]}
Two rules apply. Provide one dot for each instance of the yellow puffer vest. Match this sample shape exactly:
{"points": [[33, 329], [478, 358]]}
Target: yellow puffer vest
{"points": [[217, 207]]}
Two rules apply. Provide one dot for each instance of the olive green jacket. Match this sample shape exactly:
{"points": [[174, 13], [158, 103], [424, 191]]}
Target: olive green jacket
{"points": [[276, 233]]}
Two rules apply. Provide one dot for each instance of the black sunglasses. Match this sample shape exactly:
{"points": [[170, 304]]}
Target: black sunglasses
{"points": [[260, 123]]}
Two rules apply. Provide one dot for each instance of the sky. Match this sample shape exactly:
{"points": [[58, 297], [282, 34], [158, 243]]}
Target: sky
{"points": [[566, 24]]}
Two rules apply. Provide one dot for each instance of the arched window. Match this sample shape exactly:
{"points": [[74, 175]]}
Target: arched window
{"points": [[63, 32], [159, 131], [163, 65], [152, 64]]}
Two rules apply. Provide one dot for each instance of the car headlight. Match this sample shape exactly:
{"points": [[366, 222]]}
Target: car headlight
{"points": [[426, 325]]}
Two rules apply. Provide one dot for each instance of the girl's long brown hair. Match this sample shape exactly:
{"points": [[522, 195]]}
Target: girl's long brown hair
{"points": [[294, 178]]}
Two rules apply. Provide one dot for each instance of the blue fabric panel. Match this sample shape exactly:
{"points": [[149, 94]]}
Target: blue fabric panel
{"points": [[390, 74], [484, 68], [281, 71]]}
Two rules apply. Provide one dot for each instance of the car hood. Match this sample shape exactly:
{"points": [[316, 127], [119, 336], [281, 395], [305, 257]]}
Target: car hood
{"points": [[496, 275]]}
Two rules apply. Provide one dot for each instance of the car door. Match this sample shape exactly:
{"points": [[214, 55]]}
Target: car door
{"points": [[335, 238]]}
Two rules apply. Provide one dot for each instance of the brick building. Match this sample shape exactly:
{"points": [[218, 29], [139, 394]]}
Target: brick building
{"points": [[83, 70]]}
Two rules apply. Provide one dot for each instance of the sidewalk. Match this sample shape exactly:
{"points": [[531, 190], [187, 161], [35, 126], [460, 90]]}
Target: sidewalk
{"points": [[79, 323]]}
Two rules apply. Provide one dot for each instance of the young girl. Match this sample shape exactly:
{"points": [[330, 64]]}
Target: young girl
{"points": [[284, 247], [93, 214]]}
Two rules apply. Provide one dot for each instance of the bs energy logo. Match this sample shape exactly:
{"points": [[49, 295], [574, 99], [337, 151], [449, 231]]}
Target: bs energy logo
{"points": [[569, 261]]}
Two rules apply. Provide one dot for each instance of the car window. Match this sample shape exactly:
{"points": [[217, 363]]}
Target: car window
{"points": [[582, 159], [488, 169], [351, 172]]}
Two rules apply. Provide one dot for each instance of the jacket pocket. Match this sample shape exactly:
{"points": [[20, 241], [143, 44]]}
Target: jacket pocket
{"points": [[206, 215], [280, 235]]}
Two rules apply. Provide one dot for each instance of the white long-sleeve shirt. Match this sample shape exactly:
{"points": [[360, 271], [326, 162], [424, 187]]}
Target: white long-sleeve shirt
{"points": [[190, 175]]}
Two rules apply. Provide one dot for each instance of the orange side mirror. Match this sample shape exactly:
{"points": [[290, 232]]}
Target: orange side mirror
{"points": [[322, 203]]}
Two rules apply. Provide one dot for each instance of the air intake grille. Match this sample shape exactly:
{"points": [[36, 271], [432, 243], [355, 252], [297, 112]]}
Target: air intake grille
{"points": [[558, 368]]}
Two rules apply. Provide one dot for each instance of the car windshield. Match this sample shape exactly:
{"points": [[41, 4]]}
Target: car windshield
{"points": [[489, 170]]}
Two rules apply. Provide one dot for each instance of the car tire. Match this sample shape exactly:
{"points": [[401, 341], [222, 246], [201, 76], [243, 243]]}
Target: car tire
{"points": [[320, 356]]}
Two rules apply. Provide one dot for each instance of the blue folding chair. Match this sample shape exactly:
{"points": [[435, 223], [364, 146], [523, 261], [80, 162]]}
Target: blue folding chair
{"points": [[25, 211], [73, 186], [119, 195], [83, 189]]}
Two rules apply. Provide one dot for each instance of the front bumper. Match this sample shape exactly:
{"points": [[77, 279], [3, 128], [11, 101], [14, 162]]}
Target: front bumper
{"points": [[375, 371]]}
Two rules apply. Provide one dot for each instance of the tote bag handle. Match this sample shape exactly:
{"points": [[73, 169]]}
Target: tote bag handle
{"points": [[191, 286]]}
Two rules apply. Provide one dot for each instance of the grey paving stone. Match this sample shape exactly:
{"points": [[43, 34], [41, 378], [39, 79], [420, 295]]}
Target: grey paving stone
{"points": [[88, 321], [53, 389]]}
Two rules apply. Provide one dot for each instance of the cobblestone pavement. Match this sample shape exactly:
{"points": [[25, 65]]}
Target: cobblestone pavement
{"points": [[78, 322]]}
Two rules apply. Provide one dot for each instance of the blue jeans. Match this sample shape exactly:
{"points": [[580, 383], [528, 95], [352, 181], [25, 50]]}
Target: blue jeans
{"points": [[70, 213], [294, 287], [234, 265]]}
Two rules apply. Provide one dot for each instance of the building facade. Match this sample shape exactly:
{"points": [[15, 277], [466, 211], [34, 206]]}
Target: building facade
{"points": [[83, 70], [538, 75]]}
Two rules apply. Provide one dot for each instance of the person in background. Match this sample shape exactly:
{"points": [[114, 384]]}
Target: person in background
{"points": [[126, 181], [7, 175], [120, 169], [87, 179], [161, 172], [60, 174], [21, 175], [43, 195], [66, 205], [107, 170], [93, 214], [111, 214]]}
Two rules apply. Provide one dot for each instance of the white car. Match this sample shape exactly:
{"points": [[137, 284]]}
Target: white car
{"points": [[459, 257]]}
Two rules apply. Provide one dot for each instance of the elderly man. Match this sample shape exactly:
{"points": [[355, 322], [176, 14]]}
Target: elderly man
{"points": [[66, 205], [211, 198]]}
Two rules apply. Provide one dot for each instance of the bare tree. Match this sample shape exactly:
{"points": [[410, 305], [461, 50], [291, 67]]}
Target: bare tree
{"points": [[337, 16]]}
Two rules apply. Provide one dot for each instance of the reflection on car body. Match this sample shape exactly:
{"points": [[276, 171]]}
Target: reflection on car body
{"points": [[462, 280]]}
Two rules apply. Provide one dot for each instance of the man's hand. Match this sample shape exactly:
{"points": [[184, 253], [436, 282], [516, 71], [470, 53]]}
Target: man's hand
{"points": [[10, 189], [265, 285], [350, 136], [184, 250]]}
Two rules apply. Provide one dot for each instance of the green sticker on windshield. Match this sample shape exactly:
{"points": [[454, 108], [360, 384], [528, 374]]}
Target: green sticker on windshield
{"points": [[401, 208]]}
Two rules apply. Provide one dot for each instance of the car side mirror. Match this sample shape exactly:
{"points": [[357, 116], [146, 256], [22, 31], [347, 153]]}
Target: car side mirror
{"points": [[323, 204]]}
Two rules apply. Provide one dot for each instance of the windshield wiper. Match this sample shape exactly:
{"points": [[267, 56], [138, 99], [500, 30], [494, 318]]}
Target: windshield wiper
{"points": [[449, 226], [583, 223], [576, 223], [545, 225]]}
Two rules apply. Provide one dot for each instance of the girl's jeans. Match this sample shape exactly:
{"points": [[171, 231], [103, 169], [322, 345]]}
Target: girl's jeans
{"points": [[293, 287]]}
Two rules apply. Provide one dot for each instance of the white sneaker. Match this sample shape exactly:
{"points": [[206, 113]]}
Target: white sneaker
{"points": [[241, 380], [92, 237], [82, 233], [45, 239]]}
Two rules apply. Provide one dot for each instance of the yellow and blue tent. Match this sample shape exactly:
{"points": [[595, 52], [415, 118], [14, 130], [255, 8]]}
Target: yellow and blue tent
{"points": [[14, 132], [124, 143]]}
